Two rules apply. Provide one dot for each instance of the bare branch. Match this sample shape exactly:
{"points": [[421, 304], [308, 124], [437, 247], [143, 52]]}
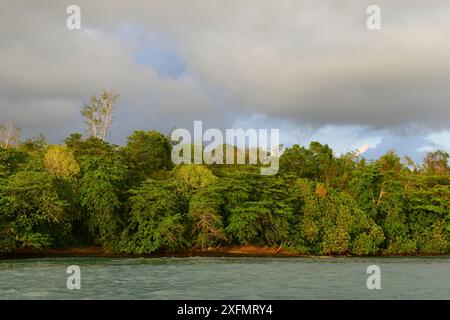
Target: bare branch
{"points": [[9, 134], [99, 114]]}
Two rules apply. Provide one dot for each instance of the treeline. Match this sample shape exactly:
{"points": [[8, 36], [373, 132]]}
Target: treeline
{"points": [[133, 200]]}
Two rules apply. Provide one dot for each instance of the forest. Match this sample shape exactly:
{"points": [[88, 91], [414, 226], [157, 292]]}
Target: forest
{"points": [[133, 200]]}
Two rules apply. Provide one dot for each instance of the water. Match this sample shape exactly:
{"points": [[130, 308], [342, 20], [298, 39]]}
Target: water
{"points": [[226, 278]]}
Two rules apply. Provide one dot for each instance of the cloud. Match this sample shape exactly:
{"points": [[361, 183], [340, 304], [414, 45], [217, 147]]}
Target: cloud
{"points": [[301, 63], [439, 140], [46, 73]]}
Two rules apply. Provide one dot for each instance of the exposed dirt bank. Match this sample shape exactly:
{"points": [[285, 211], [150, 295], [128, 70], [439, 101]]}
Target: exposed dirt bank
{"points": [[232, 251], [97, 251]]}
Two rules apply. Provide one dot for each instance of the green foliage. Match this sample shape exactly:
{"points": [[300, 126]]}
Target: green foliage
{"points": [[132, 200], [332, 223], [317, 162], [428, 205], [258, 210], [100, 191], [149, 152], [28, 206], [10, 161], [192, 177], [205, 217], [34, 146], [246, 223], [59, 161], [157, 219]]}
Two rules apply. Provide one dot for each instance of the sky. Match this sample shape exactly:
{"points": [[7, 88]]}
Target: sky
{"points": [[309, 68]]}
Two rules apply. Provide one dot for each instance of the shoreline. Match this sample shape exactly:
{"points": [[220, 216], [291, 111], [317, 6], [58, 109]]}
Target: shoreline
{"points": [[228, 251], [99, 252]]}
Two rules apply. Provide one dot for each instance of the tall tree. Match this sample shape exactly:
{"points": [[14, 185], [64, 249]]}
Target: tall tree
{"points": [[9, 134], [436, 162], [99, 113]]}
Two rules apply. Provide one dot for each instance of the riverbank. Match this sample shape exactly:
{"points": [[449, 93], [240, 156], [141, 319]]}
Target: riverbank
{"points": [[227, 251], [98, 251]]}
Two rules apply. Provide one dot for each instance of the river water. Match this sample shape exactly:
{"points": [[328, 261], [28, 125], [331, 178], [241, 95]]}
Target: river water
{"points": [[226, 278]]}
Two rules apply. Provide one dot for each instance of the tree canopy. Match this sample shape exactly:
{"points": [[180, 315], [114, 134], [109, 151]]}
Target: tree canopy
{"points": [[132, 199]]}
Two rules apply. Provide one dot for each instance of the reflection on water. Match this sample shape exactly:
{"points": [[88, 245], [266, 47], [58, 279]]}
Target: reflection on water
{"points": [[226, 278]]}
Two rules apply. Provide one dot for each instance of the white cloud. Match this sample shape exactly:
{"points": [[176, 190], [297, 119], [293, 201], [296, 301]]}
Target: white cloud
{"points": [[439, 140]]}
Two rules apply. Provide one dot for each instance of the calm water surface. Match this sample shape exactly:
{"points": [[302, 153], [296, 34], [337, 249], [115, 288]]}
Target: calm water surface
{"points": [[226, 278]]}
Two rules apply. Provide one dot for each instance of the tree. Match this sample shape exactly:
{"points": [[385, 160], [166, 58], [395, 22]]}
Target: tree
{"points": [[99, 114], [436, 162], [246, 216], [157, 219], [91, 147], [9, 134], [11, 160], [332, 223], [277, 195], [89, 191], [294, 160], [192, 177], [428, 207], [34, 146], [29, 204], [205, 218], [59, 161], [148, 152], [101, 190], [323, 160], [390, 163], [74, 142], [317, 162], [246, 223]]}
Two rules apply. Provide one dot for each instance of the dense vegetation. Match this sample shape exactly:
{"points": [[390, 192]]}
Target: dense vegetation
{"points": [[133, 200]]}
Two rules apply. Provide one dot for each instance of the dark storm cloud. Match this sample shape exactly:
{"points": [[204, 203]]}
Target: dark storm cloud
{"points": [[302, 61]]}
